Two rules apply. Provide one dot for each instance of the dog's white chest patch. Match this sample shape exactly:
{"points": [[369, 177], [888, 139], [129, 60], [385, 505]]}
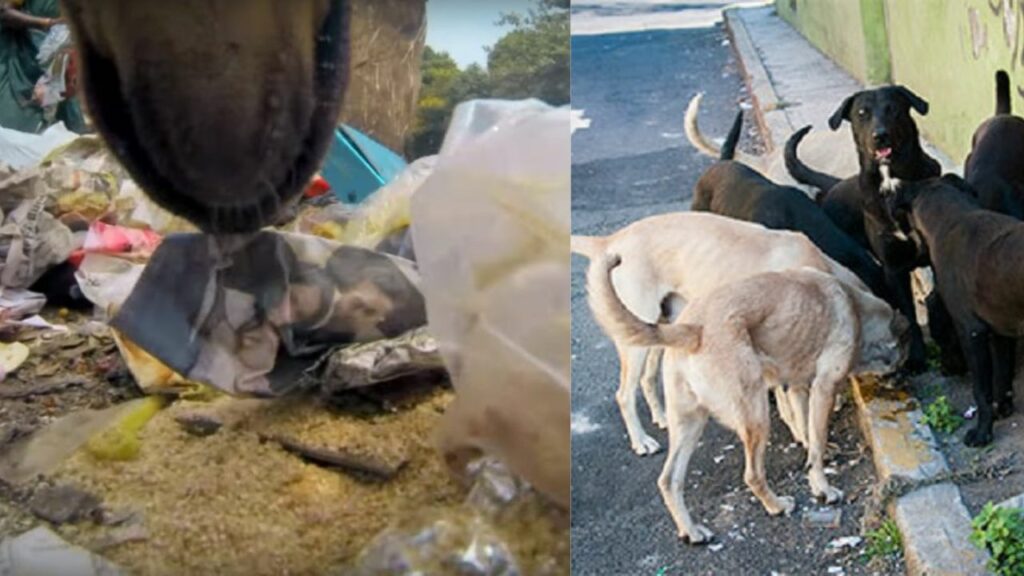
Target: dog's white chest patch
{"points": [[889, 185]]}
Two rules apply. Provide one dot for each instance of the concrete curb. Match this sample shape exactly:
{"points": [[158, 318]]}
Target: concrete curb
{"points": [[933, 520], [771, 120]]}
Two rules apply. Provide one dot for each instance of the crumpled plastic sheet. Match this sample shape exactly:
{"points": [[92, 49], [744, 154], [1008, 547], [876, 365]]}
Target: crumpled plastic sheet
{"points": [[41, 551], [31, 242], [490, 227], [249, 314], [384, 360], [452, 544]]}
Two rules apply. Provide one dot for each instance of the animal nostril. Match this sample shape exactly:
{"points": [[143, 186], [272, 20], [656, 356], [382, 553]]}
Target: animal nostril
{"points": [[881, 137]]}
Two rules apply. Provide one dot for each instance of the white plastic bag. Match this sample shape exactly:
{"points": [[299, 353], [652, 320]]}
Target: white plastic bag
{"points": [[491, 232]]}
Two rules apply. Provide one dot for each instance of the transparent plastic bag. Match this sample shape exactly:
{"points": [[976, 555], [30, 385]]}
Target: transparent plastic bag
{"points": [[491, 230]]}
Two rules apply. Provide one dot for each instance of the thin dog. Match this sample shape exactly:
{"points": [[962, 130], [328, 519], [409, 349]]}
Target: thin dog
{"points": [[728, 349], [671, 259]]}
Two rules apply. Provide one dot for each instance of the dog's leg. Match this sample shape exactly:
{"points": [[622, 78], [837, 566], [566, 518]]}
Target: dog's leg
{"points": [[798, 401], [977, 346], [823, 394], [786, 412], [1004, 358], [754, 428], [686, 423], [649, 386], [903, 294], [633, 359]]}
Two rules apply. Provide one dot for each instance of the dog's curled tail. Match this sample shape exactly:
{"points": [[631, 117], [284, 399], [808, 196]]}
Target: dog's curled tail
{"points": [[589, 246], [617, 320], [733, 138], [693, 131], [1002, 92], [800, 171]]}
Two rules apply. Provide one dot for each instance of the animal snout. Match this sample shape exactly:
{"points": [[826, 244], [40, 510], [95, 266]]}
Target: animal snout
{"points": [[881, 137]]}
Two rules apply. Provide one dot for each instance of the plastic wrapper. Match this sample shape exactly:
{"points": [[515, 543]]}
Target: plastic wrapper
{"points": [[380, 361], [248, 315], [42, 551], [105, 238], [490, 227], [448, 544]]}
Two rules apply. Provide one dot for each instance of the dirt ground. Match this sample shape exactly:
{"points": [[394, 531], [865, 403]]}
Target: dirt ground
{"points": [[235, 501], [995, 472]]}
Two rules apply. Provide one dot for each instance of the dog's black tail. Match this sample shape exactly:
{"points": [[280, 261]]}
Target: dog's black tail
{"points": [[1002, 92], [732, 139], [800, 171]]}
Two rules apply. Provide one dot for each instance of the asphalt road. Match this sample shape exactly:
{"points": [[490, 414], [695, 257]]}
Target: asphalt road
{"points": [[634, 161]]}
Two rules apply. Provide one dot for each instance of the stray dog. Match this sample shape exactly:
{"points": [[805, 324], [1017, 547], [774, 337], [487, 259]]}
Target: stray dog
{"points": [[994, 168], [978, 258], [735, 190], [671, 259], [728, 349], [889, 151], [828, 150], [221, 110]]}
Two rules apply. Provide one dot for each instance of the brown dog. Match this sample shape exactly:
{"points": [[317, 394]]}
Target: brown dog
{"points": [[724, 353], [671, 259]]}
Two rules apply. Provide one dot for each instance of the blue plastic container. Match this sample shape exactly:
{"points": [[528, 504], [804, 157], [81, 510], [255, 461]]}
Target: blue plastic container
{"points": [[357, 165]]}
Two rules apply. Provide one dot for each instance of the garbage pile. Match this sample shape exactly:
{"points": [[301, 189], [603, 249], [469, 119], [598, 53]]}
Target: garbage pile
{"points": [[304, 399]]}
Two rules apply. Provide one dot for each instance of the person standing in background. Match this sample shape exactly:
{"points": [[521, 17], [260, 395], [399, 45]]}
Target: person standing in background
{"points": [[24, 25]]}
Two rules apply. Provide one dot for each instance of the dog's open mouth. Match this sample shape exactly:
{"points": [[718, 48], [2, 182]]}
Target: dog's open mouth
{"points": [[231, 149], [884, 155]]}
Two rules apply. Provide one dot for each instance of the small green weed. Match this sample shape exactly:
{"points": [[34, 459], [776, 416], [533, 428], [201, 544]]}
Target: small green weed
{"points": [[933, 357], [941, 416], [884, 541], [1001, 532]]}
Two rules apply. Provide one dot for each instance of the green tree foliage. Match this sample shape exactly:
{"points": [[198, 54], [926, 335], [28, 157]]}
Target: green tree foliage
{"points": [[530, 61]]}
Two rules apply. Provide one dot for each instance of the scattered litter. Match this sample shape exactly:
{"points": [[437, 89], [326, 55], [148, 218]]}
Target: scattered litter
{"points": [[12, 356], [38, 387], [133, 532], [728, 447], [727, 507], [344, 459], [835, 570], [63, 504], [383, 360], [831, 471], [718, 459], [823, 517], [716, 547], [845, 542], [494, 486], [121, 440], [582, 424], [199, 424], [41, 551], [970, 412]]}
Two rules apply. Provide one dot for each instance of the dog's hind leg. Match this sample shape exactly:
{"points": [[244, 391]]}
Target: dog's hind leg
{"points": [[686, 423], [785, 411], [649, 386], [754, 427], [798, 400], [632, 360], [823, 394], [1004, 358]]}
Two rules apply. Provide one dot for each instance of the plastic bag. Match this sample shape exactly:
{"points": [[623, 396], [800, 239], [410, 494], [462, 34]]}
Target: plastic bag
{"points": [[490, 227]]}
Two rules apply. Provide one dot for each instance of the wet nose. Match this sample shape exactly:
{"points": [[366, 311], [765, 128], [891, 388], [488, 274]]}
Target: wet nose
{"points": [[881, 137]]}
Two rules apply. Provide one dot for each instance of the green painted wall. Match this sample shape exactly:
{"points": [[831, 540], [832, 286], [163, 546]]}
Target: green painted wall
{"points": [[947, 51], [834, 27]]}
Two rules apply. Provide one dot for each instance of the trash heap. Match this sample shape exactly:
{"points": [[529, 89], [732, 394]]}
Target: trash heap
{"points": [[176, 403]]}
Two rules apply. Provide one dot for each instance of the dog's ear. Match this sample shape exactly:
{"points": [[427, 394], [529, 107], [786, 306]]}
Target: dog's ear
{"points": [[842, 113], [916, 102]]}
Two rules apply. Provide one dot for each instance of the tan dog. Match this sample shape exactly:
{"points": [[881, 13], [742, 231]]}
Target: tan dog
{"points": [[675, 258], [830, 152], [728, 348]]}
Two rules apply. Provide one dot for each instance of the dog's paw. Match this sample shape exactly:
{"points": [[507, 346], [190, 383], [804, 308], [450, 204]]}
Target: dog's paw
{"points": [[646, 446], [976, 437], [699, 535], [829, 494], [786, 505], [1004, 408]]}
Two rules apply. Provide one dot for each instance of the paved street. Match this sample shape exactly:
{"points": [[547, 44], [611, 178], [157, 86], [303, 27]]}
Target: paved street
{"points": [[633, 161]]}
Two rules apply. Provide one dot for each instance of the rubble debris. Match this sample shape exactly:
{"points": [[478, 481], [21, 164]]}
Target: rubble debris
{"points": [[823, 517], [343, 458], [384, 360], [130, 532], [63, 504], [41, 387], [199, 424], [12, 356]]}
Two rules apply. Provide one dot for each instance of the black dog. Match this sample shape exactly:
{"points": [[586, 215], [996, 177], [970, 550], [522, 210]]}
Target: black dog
{"points": [[889, 150], [978, 258], [994, 168], [735, 190]]}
